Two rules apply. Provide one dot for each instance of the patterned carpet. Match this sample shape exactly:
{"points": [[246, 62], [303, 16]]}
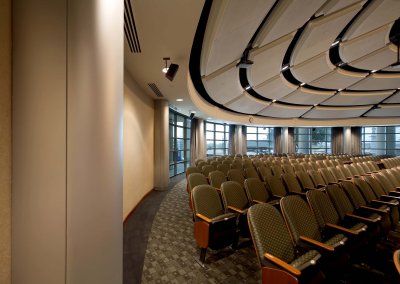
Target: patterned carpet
{"points": [[172, 251]]}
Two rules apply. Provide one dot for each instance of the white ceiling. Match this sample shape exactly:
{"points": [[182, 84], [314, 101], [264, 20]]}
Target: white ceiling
{"points": [[317, 88]]}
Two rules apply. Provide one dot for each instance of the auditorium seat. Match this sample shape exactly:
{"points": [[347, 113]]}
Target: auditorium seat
{"points": [[257, 192], [216, 178]]}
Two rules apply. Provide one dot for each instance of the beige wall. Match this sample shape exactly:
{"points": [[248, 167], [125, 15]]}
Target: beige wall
{"points": [[5, 141], [138, 144]]}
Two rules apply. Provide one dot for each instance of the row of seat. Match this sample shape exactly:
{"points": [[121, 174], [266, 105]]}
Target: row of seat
{"points": [[346, 197]]}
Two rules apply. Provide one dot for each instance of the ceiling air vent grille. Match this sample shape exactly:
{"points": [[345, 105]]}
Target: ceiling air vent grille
{"points": [[130, 28], [155, 89]]}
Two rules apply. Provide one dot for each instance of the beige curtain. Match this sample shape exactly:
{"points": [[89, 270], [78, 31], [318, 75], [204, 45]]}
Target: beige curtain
{"points": [[194, 139], [291, 145], [356, 140], [337, 140], [278, 140]]}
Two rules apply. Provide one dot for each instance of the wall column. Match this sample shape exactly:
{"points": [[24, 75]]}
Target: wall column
{"points": [[67, 141], [5, 141], [347, 139], [161, 144], [285, 137]]}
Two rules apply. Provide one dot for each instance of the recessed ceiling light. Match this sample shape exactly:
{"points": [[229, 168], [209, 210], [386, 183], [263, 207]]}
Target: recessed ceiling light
{"points": [[273, 101], [315, 105], [373, 71], [302, 84], [335, 43], [247, 88], [339, 90], [179, 100]]}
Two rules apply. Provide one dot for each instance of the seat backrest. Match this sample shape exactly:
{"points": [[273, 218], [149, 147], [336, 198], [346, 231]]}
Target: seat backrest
{"points": [[306, 166], [390, 177], [346, 173], [352, 170], [313, 165], [384, 182], [340, 200], [201, 164], [207, 169], [365, 189], [317, 178], [299, 218], [291, 183], [236, 175], [251, 172], [276, 186], [287, 168], [269, 233], [196, 179], [206, 201], [375, 185], [336, 173], [305, 180], [256, 190], [276, 170], [322, 207], [264, 172], [233, 194], [224, 168], [327, 175], [191, 170], [354, 194], [216, 178]]}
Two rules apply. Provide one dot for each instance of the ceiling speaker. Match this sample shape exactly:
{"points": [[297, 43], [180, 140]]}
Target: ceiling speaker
{"points": [[172, 69], [192, 115]]}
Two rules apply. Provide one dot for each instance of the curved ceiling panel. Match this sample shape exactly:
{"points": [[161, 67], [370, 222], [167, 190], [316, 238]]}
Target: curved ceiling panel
{"points": [[313, 68], [284, 111], [376, 14], [223, 85], [333, 6], [335, 112], [275, 88], [320, 33], [381, 81], [338, 79], [376, 60], [247, 104], [304, 96], [351, 50], [384, 111], [268, 60], [356, 98], [287, 17], [395, 99], [234, 24]]}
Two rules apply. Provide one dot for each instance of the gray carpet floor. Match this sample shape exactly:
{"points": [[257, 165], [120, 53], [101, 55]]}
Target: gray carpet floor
{"points": [[172, 252]]}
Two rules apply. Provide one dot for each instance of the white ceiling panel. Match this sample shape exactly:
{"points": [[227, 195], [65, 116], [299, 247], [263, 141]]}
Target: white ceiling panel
{"points": [[378, 81], [338, 79], [385, 111], [287, 17], [333, 6], [351, 50], [306, 96], [223, 86], [284, 111], [232, 31], [377, 14], [275, 88], [321, 33], [268, 60], [247, 104], [335, 112], [395, 99], [376, 60], [313, 68], [357, 98]]}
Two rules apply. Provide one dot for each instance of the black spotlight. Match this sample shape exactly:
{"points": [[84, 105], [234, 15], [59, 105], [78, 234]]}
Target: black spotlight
{"points": [[192, 115], [172, 69]]}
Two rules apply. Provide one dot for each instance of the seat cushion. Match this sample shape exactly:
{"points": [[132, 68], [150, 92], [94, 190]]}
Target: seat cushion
{"points": [[305, 260]]}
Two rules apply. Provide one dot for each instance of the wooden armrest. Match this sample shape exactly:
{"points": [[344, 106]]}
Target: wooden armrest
{"points": [[398, 188], [297, 193], [374, 209], [333, 182], [282, 264], [236, 209], [316, 243], [320, 185], [208, 220], [395, 193], [384, 202], [396, 199], [364, 218], [258, 201], [343, 229], [277, 196]]}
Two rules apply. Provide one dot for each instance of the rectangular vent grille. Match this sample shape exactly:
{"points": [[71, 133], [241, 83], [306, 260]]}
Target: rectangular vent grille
{"points": [[130, 28], [155, 89]]}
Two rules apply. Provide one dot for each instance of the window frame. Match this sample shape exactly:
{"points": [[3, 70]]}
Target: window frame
{"points": [[211, 138], [257, 148], [310, 140], [387, 140]]}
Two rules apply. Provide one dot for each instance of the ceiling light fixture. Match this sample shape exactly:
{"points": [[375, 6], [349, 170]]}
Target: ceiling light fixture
{"points": [[247, 88], [315, 105], [373, 71], [179, 100], [170, 71], [165, 69], [302, 84], [335, 43], [273, 101], [285, 67]]}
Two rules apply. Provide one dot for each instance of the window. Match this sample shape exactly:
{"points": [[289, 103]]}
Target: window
{"points": [[217, 137], [312, 140], [380, 140], [260, 140], [179, 143]]}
